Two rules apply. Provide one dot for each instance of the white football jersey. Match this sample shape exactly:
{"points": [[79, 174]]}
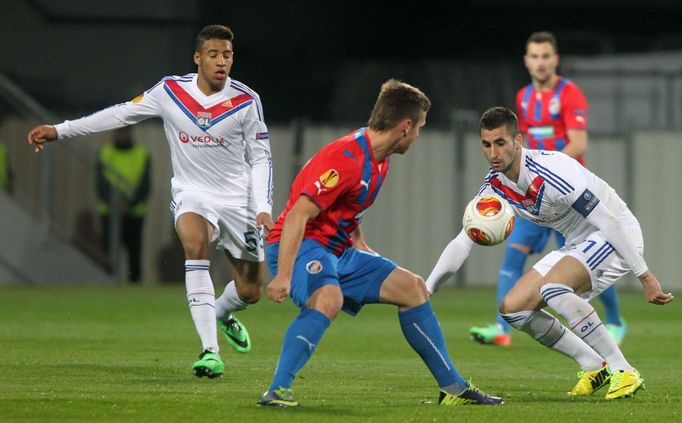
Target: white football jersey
{"points": [[555, 190], [219, 143]]}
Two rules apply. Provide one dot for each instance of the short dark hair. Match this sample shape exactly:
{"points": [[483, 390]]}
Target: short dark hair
{"points": [[212, 32], [397, 101], [542, 37], [498, 116]]}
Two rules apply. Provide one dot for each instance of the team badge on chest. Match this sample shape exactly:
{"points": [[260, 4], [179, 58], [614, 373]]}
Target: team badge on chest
{"points": [[529, 205], [204, 120]]}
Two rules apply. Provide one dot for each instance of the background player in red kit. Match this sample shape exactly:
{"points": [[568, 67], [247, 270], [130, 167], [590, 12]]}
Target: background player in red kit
{"points": [[552, 113], [318, 254]]}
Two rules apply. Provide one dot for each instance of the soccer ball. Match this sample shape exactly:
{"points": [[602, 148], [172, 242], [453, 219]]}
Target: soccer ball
{"points": [[488, 219]]}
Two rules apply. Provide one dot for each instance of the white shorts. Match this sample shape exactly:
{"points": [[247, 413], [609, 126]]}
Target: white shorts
{"points": [[601, 260], [234, 226]]}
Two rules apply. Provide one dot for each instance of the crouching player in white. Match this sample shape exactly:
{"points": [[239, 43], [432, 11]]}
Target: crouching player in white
{"points": [[603, 242], [212, 124]]}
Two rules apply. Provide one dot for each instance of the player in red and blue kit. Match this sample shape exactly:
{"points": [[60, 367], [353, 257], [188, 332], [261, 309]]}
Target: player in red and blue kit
{"points": [[552, 115], [320, 258]]}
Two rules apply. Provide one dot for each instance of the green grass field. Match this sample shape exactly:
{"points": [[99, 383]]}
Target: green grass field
{"points": [[124, 354]]}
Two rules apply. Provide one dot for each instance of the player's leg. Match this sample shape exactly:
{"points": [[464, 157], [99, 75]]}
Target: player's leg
{"points": [[242, 243], [585, 271], [615, 324], [315, 289], [522, 309], [245, 289], [195, 233], [422, 331], [526, 238]]}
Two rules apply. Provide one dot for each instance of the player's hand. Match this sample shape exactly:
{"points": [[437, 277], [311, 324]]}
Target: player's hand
{"points": [[279, 288], [652, 290], [264, 220], [39, 135]]}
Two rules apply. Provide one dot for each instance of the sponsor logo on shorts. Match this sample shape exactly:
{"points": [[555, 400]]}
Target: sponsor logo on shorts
{"points": [[137, 99], [313, 267]]}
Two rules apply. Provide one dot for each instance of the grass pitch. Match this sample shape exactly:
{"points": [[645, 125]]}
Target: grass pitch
{"points": [[124, 354]]}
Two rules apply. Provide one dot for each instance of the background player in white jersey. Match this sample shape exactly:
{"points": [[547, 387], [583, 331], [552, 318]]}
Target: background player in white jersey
{"points": [[212, 124], [603, 242]]}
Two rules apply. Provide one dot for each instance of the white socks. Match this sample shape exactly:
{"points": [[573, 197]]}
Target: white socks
{"points": [[201, 299], [229, 301], [548, 331], [585, 323]]}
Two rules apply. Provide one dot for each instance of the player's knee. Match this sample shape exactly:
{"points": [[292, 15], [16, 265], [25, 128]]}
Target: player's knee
{"points": [[506, 306], [420, 289], [328, 300], [250, 293], [415, 292], [195, 249]]}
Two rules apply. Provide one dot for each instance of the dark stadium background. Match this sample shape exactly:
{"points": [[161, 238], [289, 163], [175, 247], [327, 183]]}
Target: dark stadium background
{"points": [[300, 54]]}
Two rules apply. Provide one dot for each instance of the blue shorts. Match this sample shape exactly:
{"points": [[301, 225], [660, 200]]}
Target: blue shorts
{"points": [[533, 235], [359, 274]]}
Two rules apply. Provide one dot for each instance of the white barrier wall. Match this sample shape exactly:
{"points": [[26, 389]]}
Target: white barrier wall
{"points": [[414, 216]]}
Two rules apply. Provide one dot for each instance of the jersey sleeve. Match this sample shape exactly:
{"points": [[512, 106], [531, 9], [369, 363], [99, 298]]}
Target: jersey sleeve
{"points": [[574, 108], [567, 181], [257, 141], [450, 261], [136, 110], [523, 126], [329, 179]]}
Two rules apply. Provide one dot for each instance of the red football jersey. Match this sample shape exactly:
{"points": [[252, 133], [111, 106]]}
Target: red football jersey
{"points": [[343, 179], [545, 117]]}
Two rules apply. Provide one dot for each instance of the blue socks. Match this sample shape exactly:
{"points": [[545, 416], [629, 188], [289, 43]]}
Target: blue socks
{"points": [[610, 301], [423, 333], [300, 341], [511, 271]]}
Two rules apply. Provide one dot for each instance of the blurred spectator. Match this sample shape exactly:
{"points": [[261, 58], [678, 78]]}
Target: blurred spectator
{"points": [[124, 167]]}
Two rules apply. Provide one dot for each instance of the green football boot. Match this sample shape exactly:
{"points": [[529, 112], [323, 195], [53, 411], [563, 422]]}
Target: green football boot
{"points": [[492, 334], [617, 332], [235, 334], [210, 364]]}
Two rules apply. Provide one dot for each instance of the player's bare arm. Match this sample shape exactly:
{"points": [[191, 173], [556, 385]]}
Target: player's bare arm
{"points": [[577, 143], [652, 289], [359, 241], [39, 135], [292, 236]]}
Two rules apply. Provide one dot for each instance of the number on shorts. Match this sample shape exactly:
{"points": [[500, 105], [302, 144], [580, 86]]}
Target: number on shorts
{"points": [[253, 240]]}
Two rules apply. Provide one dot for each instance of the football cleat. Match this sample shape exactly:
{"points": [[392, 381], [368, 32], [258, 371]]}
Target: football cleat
{"points": [[470, 396], [490, 335], [625, 384], [281, 397], [210, 364], [235, 333], [590, 382], [617, 332]]}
